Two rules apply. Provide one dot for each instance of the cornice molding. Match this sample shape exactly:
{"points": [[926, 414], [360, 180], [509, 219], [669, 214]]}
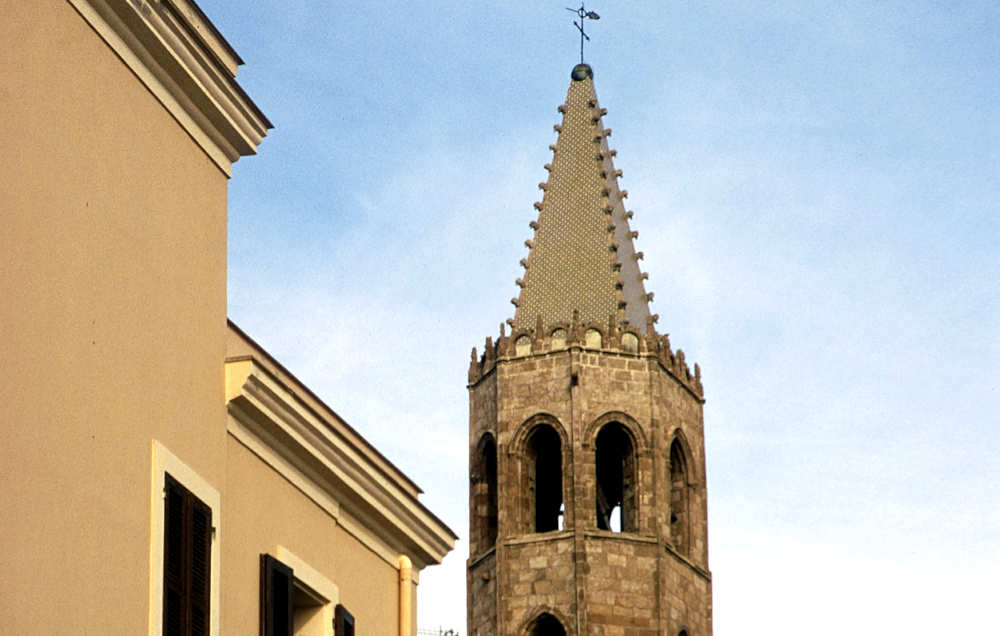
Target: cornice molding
{"points": [[184, 62], [270, 420]]}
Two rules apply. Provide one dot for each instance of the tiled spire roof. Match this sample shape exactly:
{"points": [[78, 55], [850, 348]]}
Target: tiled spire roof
{"points": [[582, 257]]}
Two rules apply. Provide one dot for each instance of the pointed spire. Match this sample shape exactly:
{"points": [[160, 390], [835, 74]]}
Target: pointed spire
{"points": [[582, 257]]}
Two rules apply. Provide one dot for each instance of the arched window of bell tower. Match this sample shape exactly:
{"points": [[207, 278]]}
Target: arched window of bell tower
{"points": [[484, 493], [545, 625], [615, 469], [680, 522], [543, 477]]}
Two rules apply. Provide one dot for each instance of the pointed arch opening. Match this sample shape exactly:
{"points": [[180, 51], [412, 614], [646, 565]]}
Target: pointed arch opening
{"points": [[543, 476], [680, 522], [617, 479], [545, 625], [484, 494]]}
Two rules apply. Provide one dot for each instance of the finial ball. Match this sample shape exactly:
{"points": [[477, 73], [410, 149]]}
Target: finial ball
{"points": [[582, 72]]}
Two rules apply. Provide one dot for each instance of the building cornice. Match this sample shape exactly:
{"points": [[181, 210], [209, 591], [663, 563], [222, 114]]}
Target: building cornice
{"points": [[186, 64], [268, 417]]}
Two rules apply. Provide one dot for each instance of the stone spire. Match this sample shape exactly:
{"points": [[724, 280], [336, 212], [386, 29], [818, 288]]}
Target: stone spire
{"points": [[582, 257]]}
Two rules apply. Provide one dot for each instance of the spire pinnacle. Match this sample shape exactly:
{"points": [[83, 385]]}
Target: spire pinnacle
{"points": [[582, 259]]}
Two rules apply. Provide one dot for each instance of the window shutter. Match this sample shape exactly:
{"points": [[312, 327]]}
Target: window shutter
{"points": [[187, 561], [201, 566], [173, 559], [343, 622], [276, 608]]}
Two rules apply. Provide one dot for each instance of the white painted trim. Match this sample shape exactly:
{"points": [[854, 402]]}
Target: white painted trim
{"points": [[163, 462], [223, 122], [317, 586], [305, 573], [263, 449], [267, 417], [320, 587]]}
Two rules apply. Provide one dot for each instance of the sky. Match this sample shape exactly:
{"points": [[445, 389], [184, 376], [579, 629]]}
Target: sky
{"points": [[816, 186]]}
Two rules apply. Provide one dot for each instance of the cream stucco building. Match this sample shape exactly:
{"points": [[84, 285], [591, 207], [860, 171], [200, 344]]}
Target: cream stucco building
{"points": [[163, 473]]}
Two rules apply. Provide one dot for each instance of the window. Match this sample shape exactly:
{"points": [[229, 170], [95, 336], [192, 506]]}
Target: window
{"points": [[679, 519], [484, 493], [614, 459], [344, 625], [187, 562], [543, 464], [185, 530], [276, 597], [295, 600], [546, 625]]}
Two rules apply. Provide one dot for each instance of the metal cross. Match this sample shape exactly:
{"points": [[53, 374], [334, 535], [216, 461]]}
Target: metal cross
{"points": [[583, 13]]}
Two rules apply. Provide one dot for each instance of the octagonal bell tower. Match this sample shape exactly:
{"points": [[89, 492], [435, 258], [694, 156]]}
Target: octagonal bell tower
{"points": [[586, 440]]}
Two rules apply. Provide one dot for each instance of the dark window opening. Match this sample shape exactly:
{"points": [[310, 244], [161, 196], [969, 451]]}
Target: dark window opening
{"points": [[343, 622], [484, 494], [287, 606], [187, 562], [614, 459], [546, 625], [544, 476], [277, 596], [679, 518]]}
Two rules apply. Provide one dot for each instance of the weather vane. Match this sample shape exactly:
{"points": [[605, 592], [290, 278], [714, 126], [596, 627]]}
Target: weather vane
{"points": [[583, 13]]}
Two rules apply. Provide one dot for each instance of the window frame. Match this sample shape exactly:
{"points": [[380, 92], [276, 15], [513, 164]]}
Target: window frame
{"points": [[163, 463], [305, 579]]}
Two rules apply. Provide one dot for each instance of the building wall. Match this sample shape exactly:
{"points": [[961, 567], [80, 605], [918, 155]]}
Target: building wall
{"points": [[113, 280], [536, 574], [273, 512], [621, 590], [115, 336], [481, 584]]}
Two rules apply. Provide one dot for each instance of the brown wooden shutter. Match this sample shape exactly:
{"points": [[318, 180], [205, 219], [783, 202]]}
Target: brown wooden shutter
{"points": [[343, 622], [187, 562], [174, 623], [276, 605], [201, 566]]}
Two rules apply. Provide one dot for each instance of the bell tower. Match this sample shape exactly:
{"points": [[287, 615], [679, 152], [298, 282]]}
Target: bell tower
{"points": [[586, 439]]}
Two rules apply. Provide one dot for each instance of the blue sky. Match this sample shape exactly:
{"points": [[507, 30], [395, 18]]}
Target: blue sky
{"points": [[816, 188]]}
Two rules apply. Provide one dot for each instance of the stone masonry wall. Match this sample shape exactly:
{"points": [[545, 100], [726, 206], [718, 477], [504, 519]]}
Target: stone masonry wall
{"points": [[687, 595], [538, 574], [482, 590], [622, 586], [627, 583], [483, 411]]}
